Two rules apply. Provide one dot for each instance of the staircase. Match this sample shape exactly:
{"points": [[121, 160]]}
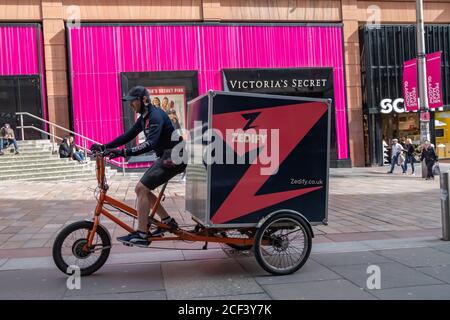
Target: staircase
{"points": [[37, 163]]}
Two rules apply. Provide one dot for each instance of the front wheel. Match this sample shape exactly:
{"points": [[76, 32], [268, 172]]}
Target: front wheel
{"points": [[68, 248], [283, 244]]}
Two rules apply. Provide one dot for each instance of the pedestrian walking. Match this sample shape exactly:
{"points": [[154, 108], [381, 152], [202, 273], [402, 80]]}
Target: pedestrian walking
{"points": [[430, 157], [409, 158], [396, 150]]}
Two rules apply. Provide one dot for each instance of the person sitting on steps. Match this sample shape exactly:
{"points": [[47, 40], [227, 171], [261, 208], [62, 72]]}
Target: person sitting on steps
{"points": [[7, 137]]}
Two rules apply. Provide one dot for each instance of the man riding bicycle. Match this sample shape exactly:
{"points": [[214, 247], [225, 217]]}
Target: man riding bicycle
{"points": [[160, 137]]}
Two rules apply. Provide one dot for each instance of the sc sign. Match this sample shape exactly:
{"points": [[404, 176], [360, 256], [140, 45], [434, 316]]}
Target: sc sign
{"points": [[387, 106]]}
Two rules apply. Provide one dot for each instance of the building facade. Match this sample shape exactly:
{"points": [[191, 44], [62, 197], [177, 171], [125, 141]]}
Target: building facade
{"points": [[85, 54]]}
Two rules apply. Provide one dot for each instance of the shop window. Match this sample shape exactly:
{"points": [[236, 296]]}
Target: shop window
{"points": [[169, 90]]}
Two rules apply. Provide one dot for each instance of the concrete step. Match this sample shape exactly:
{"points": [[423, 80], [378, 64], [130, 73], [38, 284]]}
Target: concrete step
{"points": [[44, 173], [77, 177], [58, 177], [40, 165], [79, 168], [34, 142], [28, 156], [51, 161], [32, 147], [23, 153], [49, 170]]}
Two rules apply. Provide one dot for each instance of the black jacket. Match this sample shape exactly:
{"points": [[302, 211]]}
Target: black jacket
{"points": [[429, 155], [65, 151], [158, 131], [409, 150]]}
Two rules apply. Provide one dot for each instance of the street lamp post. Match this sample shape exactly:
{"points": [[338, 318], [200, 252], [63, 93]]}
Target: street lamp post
{"points": [[421, 78]]}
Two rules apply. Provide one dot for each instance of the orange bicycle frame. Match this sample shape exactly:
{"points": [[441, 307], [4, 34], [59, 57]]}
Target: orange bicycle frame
{"points": [[204, 235]]}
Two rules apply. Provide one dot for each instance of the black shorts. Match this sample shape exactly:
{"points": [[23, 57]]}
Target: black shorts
{"points": [[159, 173]]}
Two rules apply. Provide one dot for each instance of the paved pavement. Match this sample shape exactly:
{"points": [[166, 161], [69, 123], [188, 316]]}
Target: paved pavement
{"points": [[418, 268], [364, 204], [392, 221]]}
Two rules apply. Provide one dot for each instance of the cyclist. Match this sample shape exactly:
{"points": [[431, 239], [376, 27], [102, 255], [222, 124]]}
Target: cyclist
{"points": [[160, 137]]}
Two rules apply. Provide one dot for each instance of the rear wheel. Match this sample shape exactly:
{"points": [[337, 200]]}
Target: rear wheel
{"points": [[68, 248], [283, 244]]}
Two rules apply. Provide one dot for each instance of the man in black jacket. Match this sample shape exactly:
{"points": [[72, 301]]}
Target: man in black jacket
{"points": [[160, 137]]}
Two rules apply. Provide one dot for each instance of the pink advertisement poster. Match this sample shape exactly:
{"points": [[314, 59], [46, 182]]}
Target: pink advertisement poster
{"points": [[434, 80], [410, 90], [410, 85]]}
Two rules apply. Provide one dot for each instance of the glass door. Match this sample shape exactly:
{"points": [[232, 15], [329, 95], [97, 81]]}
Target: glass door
{"points": [[21, 94]]}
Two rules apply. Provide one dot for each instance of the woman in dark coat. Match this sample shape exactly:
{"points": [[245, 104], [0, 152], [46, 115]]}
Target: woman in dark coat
{"points": [[430, 157], [409, 147]]}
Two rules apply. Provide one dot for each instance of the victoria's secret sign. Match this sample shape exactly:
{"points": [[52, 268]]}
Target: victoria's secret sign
{"points": [[273, 84], [315, 82]]}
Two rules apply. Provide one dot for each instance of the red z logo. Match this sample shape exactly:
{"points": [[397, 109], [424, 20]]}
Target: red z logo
{"points": [[293, 123], [251, 117]]}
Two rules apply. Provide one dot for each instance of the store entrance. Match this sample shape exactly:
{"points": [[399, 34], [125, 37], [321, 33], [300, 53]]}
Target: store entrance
{"points": [[21, 94], [400, 126]]}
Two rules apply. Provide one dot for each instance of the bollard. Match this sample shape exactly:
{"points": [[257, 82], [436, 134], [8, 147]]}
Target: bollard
{"points": [[445, 205]]}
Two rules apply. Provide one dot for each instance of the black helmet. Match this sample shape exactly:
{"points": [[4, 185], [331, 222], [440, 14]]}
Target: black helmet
{"points": [[137, 92]]}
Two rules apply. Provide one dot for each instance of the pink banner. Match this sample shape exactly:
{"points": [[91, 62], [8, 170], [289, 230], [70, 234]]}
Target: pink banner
{"points": [[410, 85], [434, 80], [410, 90]]}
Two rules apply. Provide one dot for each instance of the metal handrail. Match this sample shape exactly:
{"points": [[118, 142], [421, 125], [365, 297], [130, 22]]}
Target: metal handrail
{"points": [[53, 136]]}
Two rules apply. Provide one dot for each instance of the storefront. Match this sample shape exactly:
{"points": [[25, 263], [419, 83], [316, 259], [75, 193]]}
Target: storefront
{"points": [[21, 76], [185, 61], [383, 51]]}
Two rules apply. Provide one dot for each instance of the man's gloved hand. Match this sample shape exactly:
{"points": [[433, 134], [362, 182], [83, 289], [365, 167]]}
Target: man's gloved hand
{"points": [[98, 147], [115, 153]]}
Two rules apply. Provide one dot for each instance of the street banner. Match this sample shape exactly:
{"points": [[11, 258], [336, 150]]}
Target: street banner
{"points": [[410, 86], [434, 80], [410, 89]]}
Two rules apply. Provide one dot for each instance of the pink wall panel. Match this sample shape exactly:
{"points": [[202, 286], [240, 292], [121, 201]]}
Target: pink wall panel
{"points": [[22, 53], [100, 53], [18, 51]]}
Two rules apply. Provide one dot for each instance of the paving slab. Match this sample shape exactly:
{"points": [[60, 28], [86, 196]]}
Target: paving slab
{"points": [[435, 292], [340, 289], [443, 247], [348, 258], [417, 257], [121, 279], [204, 254], [210, 278], [311, 271], [143, 295], [392, 275], [146, 256], [441, 272], [28, 263], [40, 284]]}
